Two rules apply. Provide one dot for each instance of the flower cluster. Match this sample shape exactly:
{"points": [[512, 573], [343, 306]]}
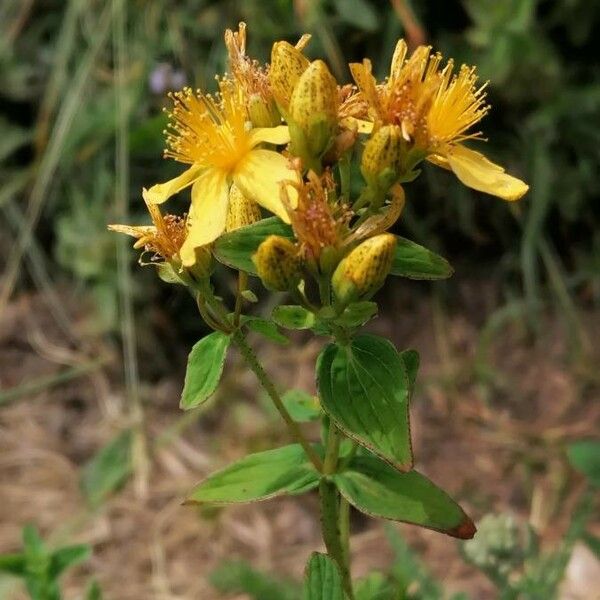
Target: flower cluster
{"points": [[283, 138]]}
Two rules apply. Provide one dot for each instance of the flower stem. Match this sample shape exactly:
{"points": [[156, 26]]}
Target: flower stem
{"points": [[334, 515], [265, 381]]}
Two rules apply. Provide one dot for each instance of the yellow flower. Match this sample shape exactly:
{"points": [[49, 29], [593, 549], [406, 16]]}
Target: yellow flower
{"points": [[212, 135], [435, 109]]}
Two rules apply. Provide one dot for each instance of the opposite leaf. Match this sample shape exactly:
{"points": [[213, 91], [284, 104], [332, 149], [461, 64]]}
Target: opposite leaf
{"points": [[364, 388], [204, 369], [322, 580], [235, 249], [258, 477], [376, 489], [416, 262]]}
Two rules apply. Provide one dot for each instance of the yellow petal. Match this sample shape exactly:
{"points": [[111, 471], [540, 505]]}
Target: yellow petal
{"points": [[361, 125], [272, 135], [136, 231], [398, 61], [362, 74], [259, 175], [208, 213], [479, 173], [160, 192]]}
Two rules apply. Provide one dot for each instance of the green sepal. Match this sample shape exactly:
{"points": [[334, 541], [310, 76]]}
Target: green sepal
{"points": [[375, 488], [417, 262], [259, 476], [293, 317], [322, 579], [236, 248], [364, 389], [204, 369]]}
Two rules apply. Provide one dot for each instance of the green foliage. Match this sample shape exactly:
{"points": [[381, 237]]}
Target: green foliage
{"points": [[41, 568], [258, 477], [584, 455], [267, 329], [241, 578], [303, 407], [416, 262], [322, 579], [364, 388], [108, 470], [235, 249], [204, 369], [377, 489]]}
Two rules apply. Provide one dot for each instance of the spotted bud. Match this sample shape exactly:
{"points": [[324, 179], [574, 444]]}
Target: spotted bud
{"points": [[381, 156], [313, 109], [360, 274], [287, 65], [242, 211], [278, 264]]}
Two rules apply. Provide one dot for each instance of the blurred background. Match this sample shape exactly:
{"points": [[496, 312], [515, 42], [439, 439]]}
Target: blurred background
{"points": [[93, 447]]}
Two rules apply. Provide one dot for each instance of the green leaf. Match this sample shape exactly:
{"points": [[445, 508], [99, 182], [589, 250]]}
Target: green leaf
{"points": [[266, 328], [13, 564], [258, 477], [293, 317], [235, 249], [411, 360], [378, 490], [374, 586], [108, 469], [302, 406], [93, 592], [204, 369], [416, 262], [584, 455], [357, 314], [322, 579], [63, 558], [363, 387], [592, 542]]}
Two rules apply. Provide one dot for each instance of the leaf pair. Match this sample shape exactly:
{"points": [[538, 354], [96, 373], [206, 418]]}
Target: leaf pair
{"points": [[369, 484]]}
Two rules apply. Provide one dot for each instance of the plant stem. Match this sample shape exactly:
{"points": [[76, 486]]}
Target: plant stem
{"points": [[330, 526], [334, 514], [239, 299], [265, 381]]}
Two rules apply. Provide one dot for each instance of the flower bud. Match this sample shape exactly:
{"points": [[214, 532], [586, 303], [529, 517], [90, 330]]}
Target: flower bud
{"points": [[381, 156], [360, 274], [278, 264], [287, 64], [313, 109], [242, 211]]}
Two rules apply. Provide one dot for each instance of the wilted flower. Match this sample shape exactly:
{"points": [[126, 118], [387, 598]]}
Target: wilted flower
{"points": [[435, 109]]}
